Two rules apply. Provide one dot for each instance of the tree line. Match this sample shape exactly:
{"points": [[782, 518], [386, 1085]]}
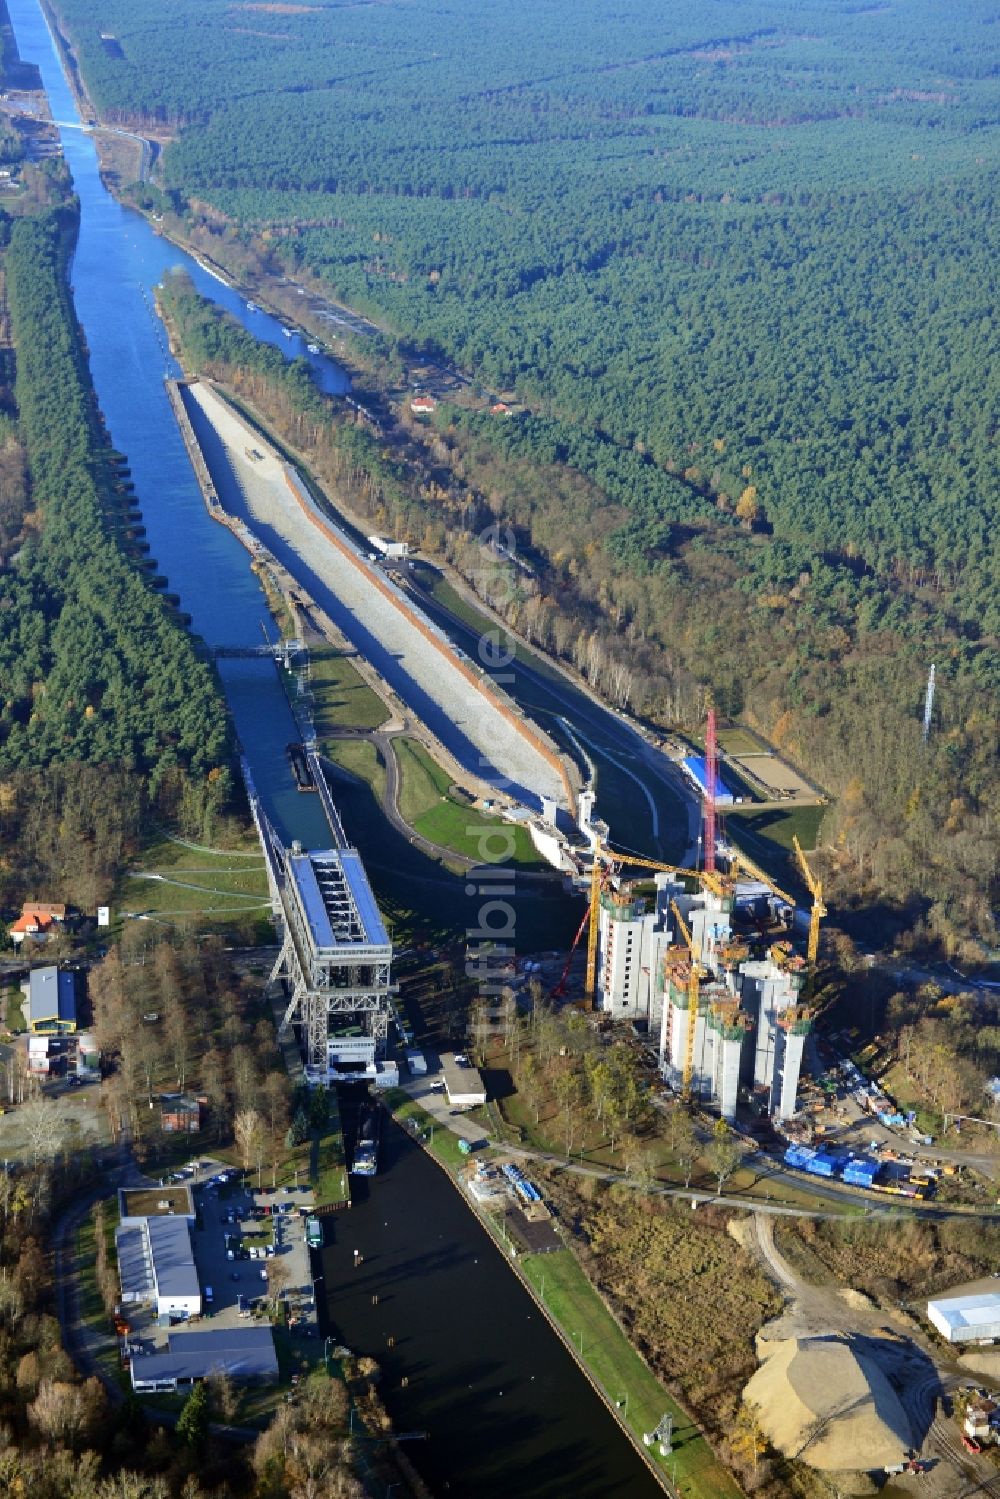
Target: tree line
{"points": [[95, 668]]}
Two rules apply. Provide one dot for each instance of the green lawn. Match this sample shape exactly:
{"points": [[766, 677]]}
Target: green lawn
{"points": [[767, 837], [422, 782], [427, 807], [341, 697], [739, 741], [14, 1007], [220, 886], [442, 1142], [361, 758], [571, 1300]]}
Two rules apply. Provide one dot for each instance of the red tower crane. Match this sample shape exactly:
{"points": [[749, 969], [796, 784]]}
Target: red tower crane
{"points": [[711, 782]]}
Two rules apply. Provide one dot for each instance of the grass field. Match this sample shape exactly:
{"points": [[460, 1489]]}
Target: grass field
{"points": [[13, 1007], [361, 758], [572, 1302], [767, 837], [341, 697], [427, 807], [738, 741], [175, 881], [442, 1143]]}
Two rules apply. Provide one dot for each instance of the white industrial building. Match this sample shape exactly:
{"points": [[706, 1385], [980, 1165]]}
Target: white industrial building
{"points": [[463, 1084], [750, 1026], [156, 1265], [967, 1319]]}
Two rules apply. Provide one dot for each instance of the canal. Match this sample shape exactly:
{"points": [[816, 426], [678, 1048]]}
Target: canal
{"points": [[505, 1409], [504, 1404]]}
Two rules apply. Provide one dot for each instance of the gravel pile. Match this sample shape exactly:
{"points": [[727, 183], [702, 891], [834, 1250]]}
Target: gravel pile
{"points": [[828, 1405]]}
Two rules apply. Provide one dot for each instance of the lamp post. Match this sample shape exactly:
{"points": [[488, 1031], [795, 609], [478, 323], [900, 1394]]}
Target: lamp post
{"points": [[621, 1402], [326, 1348], [316, 1281], [580, 1336]]}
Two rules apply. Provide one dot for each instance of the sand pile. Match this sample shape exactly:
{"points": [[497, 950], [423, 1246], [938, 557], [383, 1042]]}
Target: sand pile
{"points": [[834, 1408]]}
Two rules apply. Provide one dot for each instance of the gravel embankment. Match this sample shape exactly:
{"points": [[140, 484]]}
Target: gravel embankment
{"points": [[465, 720]]}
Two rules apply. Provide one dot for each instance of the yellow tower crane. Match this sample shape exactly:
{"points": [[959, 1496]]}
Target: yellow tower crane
{"points": [[605, 859], [695, 975], [818, 908], [742, 861]]}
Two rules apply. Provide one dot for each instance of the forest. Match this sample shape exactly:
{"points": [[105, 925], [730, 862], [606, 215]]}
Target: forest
{"points": [[95, 669], [735, 264]]}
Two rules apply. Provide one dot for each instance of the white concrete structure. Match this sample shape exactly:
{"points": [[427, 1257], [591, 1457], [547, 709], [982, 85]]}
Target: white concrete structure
{"points": [[631, 942], [964, 1319], [771, 995], [737, 997]]}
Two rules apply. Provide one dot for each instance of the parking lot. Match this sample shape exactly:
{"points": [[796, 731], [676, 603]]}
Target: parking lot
{"points": [[249, 1246]]}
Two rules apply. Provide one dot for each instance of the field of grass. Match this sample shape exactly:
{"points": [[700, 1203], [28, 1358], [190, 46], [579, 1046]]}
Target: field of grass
{"points": [[341, 697], [572, 1302], [174, 880], [13, 1007], [427, 807], [767, 837], [361, 758], [739, 741]]}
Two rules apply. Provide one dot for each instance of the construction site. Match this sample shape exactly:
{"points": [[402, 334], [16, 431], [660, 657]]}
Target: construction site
{"points": [[702, 960]]}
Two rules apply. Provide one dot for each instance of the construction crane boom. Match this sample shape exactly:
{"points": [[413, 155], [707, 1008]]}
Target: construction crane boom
{"points": [[607, 856], [818, 910], [742, 861], [595, 902], [695, 975], [711, 788]]}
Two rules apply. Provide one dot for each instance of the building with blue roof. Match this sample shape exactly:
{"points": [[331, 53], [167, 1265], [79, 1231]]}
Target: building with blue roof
{"points": [[51, 1007], [697, 772]]}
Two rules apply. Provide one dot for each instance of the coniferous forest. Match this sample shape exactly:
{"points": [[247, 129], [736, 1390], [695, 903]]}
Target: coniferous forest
{"points": [[737, 264]]}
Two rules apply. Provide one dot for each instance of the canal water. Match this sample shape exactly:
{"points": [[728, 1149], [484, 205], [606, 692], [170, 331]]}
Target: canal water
{"points": [[505, 1409], [505, 1406], [119, 261]]}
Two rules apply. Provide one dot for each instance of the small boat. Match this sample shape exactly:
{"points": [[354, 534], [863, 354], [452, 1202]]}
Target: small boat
{"points": [[287, 331], [300, 767], [312, 348], [365, 1162], [252, 307]]}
